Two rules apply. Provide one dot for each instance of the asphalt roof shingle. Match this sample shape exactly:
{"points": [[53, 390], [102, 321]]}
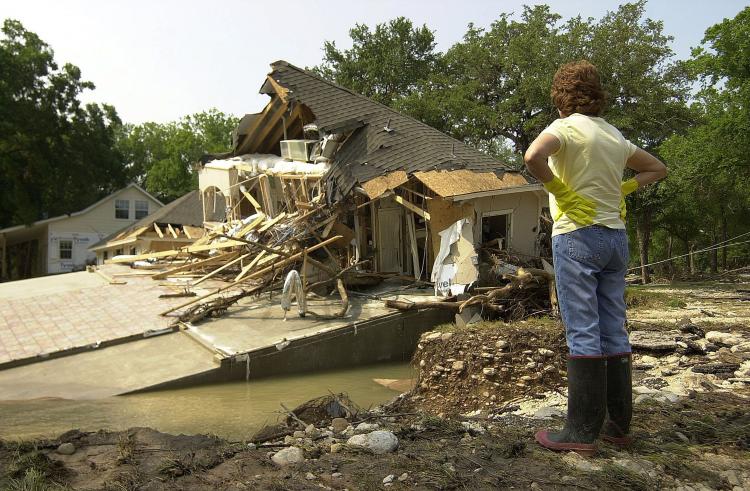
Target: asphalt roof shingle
{"points": [[372, 151]]}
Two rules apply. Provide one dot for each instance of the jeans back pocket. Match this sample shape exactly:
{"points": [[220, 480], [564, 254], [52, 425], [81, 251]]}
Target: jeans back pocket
{"points": [[585, 244]]}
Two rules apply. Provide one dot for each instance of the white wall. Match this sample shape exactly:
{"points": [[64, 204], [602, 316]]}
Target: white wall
{"points": [[525, 207], [88, 228]]}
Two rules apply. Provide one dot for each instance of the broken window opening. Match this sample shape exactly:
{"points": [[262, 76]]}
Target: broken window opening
{"points": [[496, 229]]}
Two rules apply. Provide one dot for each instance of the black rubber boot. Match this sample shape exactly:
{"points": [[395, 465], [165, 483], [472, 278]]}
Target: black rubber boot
{"points": [[619, 400], [587, 403]]}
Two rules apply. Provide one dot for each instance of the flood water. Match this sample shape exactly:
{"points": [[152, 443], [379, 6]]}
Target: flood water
{"points": [[233, 410]]}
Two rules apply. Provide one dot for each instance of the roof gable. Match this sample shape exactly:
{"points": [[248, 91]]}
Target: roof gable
{"points": [[383, 140]]}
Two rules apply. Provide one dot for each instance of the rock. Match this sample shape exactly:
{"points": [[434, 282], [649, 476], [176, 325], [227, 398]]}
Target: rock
{"points": [[473, 427], [641, 467], [446, 336], [366, 427], [66, 449], [723, 338], [535, 487], [653, 340], [251, 446], [732, 478], [642, 398], [288, 456], [489, 372], [682, 437], [311, 431], [649, 360], [310, 476], [548, 412], [339, 424], [379, 441], [289, 439], [431, 336], [575, 460], [336, 475], [336, 447], [546, 352], [501, 344], [299, 434], [403, 477], [458, 366], [642, 389], [669, 396], [741, 347], [389, 478]]}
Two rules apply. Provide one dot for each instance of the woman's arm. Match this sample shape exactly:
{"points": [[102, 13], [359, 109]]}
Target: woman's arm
{"points": [[649, 169], [537, 154]]}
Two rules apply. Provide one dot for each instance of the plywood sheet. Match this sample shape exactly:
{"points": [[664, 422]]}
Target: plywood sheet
{"points": [[443, 214], [379, 185], [462, 181]]}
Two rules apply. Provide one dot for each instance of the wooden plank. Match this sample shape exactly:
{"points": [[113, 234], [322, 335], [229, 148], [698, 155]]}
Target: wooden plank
{"points": [[175, 252], [254, 275], [171, 230], [410, 206], [410, 227], [265, 190], [193, 265], [158, 230], [252, 225], [330, 225], [109, 279], [295, 257], [272, 222], [186, 232], [220, 269], [250, 266], [252, 201]]}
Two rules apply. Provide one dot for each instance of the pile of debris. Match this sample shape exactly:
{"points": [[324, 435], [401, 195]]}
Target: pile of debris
{"points": [[488, 367], [527, 292]]}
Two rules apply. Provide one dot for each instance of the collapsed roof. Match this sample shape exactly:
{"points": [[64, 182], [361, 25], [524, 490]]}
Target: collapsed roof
{"points": [[383, 148]]}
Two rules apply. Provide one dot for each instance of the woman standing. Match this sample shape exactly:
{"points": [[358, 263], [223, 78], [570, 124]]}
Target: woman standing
{"points": [[580, 159]]}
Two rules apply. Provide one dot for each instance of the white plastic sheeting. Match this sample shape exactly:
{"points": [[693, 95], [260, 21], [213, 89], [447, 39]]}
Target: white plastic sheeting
{"points": [[293, 286], [455, 264], [270, 164]]}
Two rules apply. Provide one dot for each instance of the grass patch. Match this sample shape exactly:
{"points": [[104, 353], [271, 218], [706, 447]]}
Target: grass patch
{"points": [[616, 477], [648, 299], [30, 470]]}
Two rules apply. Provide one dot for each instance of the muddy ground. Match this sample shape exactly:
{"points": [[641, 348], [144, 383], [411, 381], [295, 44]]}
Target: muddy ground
{"points": [[482, 391]]}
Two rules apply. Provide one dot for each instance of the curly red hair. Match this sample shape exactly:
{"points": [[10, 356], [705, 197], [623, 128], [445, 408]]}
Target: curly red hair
{"points": [[576, 89]]}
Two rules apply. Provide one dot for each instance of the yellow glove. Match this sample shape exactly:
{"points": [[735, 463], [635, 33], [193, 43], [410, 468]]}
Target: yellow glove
{"points": [[627, 188], [572, 204]]}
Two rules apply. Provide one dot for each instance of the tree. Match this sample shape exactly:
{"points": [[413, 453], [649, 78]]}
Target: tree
{"points": [[56, 156], [385, 64], [162, 156], [710, 163]]}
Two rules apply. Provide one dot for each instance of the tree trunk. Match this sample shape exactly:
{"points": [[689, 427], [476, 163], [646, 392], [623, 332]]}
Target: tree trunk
{"points": [[670, 264], [724, 239], [714, 257], [692, 258], [643, 233]]}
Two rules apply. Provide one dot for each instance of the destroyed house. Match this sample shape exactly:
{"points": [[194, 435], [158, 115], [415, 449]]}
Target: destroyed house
{"points": [[410, 199]]}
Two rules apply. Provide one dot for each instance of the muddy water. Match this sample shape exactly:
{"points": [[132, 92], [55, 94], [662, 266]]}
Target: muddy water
{"points": [[231, 410]]}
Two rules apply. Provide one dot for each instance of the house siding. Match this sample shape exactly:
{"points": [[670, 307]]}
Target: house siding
{"points": [[525, 208], [89, 228]]}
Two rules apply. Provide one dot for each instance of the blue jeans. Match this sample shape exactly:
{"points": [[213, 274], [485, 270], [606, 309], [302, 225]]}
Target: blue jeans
{"points": [[590, 266]]}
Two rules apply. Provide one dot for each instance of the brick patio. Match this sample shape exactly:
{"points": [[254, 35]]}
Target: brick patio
{"points": [[43, 324]]}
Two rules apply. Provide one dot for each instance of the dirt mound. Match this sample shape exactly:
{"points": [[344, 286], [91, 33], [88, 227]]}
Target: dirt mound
{"points": [[487, 366]]}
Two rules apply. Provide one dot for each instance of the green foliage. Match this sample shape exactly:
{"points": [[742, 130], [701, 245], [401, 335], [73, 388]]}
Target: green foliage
{"points": [[162, 156], [708, 194], [56, 155], [385, 64]]}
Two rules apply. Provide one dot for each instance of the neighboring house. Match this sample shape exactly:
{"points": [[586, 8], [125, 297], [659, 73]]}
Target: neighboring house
{"points": [[60, 244], [174, 225]]}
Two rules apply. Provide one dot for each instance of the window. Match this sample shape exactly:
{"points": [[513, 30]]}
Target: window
{"points": [[141, 209], [122, 208], [66, 249], [132, 251], [105, 255], [496, 227], [118, 252]]}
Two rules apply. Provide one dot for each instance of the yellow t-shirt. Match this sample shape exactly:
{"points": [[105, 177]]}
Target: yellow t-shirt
{"points": [[591, 160]]}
